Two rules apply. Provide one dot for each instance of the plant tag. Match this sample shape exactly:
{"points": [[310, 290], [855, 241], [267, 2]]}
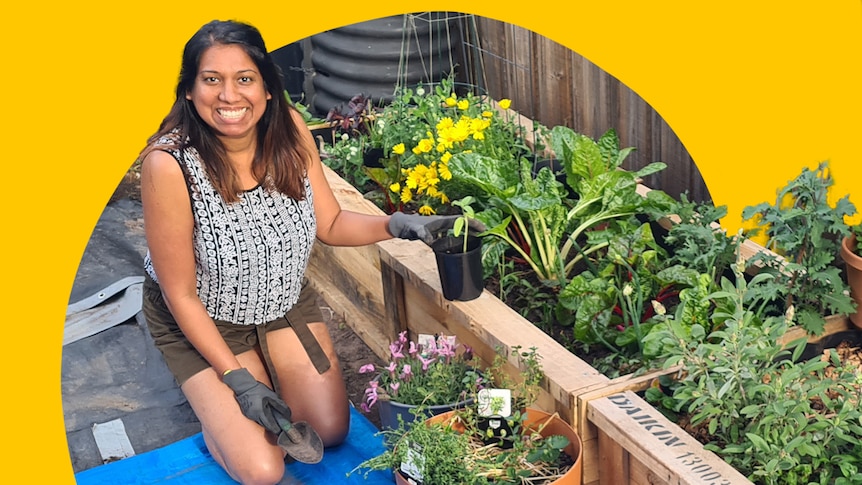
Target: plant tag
{"points": [[427, 341], [413, 463], [495, 402]]}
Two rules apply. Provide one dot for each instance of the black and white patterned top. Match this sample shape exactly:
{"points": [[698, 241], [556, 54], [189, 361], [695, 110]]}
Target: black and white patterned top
{"points": [[251, 255]]}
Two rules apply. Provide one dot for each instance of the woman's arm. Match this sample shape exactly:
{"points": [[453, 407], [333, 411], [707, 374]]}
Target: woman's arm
{"points": [[168, 224], [338, 227]]}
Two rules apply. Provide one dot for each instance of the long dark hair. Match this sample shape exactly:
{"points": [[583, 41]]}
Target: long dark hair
{"points": [[280, 160]]}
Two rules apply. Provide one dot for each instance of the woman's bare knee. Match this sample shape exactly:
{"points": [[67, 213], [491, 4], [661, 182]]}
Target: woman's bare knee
{"points": [[258, 471]]}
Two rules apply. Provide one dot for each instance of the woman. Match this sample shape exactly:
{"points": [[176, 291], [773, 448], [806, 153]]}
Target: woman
{"points": [[234, 196]]}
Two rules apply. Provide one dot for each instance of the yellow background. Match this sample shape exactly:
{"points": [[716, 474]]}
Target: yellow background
{"points": [[755, 91]]}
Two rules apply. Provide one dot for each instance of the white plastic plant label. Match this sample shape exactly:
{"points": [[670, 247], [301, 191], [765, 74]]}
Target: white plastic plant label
{"points": [[413, 463], [494, 402]]}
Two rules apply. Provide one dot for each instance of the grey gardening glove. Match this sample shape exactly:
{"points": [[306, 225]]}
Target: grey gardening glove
{"points": [[257, 402], [426, 228]]}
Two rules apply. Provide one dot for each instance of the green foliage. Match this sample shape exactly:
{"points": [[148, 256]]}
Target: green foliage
{"points": [[773, 418], [452, 451], [696, 239], [806, 231], [533, 215], [620, 297], [462, 223]]}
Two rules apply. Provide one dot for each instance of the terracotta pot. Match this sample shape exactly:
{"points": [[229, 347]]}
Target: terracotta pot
{"points": [[853, 270], [553, 425]]}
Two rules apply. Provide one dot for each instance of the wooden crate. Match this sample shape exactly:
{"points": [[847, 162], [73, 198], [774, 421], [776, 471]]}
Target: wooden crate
{"points": [[638, 445]]}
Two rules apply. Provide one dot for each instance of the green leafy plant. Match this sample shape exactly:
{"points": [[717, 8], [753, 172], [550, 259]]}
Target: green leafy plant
{"points": [[772, 417], [620, 297], [452, 451], [462, 223], [531, 214], [804, 235]]}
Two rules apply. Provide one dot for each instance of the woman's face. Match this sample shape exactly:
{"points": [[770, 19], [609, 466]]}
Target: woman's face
{"points": [[229, 93]]}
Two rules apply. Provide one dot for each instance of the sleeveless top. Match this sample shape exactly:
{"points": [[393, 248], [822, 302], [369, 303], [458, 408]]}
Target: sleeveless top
{"points": [[251, 255]]}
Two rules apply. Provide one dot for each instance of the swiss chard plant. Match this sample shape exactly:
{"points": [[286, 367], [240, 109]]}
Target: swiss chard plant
{"points": [[533, 214], [621, 296]]}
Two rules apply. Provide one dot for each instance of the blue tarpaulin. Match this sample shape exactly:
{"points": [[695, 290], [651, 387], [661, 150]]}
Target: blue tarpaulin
{"points": [[188, 462]]}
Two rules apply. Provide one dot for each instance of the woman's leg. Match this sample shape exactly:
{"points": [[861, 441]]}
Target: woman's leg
{"points": [[242, 447], [318, 399]]}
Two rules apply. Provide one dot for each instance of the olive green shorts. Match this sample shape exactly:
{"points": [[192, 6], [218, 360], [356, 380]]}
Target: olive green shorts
{"points": [[184, 361]]}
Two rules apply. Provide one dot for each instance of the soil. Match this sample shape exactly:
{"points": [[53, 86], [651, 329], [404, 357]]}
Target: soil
{"points": [[353, 353]]}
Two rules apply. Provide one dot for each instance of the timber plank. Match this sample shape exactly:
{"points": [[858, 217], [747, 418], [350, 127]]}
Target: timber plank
{"points": [[669, 453]]}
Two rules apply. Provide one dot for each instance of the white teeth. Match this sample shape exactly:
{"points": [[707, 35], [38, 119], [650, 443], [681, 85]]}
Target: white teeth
{"points": [[232, 114]]}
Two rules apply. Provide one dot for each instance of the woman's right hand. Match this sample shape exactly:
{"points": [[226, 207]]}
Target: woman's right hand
{"points": [[257, 402]]}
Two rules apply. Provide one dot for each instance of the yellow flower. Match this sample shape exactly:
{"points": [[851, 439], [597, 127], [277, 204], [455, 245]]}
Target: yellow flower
{"points": [[463, 104], [398, 150], [412, 180], [425, 145], [426, 210], [396, 187], [446, 157], [451, 101], [444, 123], [505, 103], [487, 114], [445, 174], [406, 195]]}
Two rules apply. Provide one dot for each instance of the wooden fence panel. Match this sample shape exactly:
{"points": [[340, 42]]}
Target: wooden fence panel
{"points": [[554, 85]]}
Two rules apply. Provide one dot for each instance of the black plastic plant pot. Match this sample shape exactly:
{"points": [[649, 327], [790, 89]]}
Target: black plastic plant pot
{"points": [[495, 430], [371, 157], [460, 272]]}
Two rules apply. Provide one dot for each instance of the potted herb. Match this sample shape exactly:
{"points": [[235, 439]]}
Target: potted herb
{"points": [[435, 373], [449, 448], [459, 257], [804, 234], [851, 253]]}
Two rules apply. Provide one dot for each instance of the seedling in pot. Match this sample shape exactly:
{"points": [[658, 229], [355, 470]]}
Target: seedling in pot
{"points": [[463, 223]]}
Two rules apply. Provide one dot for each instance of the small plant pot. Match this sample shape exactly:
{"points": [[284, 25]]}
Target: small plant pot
{"points": [[371, 157], [460, 272], [495, 429], [389, 411], [853, 271]]}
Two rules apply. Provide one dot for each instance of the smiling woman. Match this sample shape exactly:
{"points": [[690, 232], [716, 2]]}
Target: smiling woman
{"points": [[230, 96]]}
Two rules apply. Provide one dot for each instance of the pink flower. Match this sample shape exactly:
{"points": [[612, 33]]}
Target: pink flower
{"points": [[414, 349], [426, 362], [396, 349], [365, 369], [394, 388], [406, 371]]}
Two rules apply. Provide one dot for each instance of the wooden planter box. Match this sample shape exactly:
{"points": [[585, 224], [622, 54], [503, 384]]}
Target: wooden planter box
{"points": [[348, 278], [393, 286]]}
